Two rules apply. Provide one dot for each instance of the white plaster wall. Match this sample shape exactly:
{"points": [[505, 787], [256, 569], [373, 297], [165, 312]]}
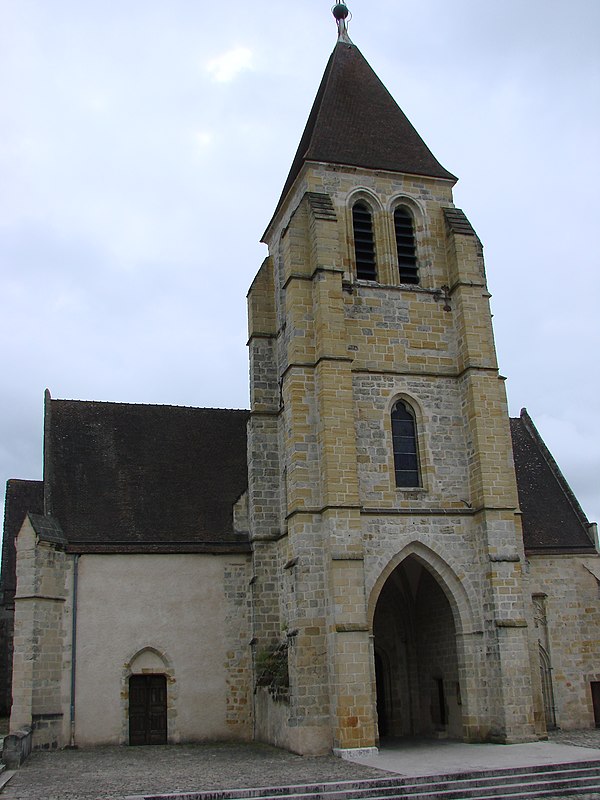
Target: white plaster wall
{"points": [[175, 604]]}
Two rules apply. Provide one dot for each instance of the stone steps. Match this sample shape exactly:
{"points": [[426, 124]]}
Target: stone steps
{"points": [[577, 779]]}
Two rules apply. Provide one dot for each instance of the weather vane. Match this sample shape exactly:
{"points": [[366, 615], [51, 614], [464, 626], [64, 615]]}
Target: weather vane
{"points": [[340, 12]]}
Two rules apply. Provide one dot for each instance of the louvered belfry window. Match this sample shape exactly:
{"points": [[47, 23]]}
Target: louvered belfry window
{"points": [[405, 242], [364, 243], [404, 437]]}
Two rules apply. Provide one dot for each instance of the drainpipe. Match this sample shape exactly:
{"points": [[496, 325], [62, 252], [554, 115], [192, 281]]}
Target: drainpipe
{"points": [[74, 649], [253, 643]]}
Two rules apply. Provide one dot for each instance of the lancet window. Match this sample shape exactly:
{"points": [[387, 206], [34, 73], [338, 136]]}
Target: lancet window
{"points": [[364, 242], [404, 436], [405, 244]]}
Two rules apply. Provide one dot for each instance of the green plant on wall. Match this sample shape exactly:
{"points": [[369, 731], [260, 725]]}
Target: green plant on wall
{"points": [[272, 671]]}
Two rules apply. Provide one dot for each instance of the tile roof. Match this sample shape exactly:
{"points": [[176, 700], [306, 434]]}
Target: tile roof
{"points": [[133, 478], [47, 529], [21, 497], [355, 121], [553, 521]]}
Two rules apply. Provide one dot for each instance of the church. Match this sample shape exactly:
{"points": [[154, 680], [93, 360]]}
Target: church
{"points": [[374, 549]]}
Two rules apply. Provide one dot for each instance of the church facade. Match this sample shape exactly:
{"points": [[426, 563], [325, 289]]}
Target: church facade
{"points": [[374, 549]]}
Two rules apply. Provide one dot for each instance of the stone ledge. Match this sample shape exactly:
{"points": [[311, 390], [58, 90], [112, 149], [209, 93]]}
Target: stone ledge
{"points": [[16, 747], [352, 753], [352, 627]]}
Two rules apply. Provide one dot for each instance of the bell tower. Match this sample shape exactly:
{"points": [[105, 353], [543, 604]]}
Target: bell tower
{"points": [[382, 490]]}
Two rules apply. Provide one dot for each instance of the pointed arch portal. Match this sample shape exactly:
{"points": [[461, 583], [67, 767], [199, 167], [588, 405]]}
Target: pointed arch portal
{"points": [[416, 656]]}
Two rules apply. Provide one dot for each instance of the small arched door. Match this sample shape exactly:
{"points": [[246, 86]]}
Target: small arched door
{"points": [[147, 709]]}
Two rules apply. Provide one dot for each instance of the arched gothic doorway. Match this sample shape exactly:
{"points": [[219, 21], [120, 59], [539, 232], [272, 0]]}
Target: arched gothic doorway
{"points": [[416, 660]]}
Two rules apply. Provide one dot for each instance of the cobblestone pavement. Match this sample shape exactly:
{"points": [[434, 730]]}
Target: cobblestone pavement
{"points": [[587, 738], [111, 773]]}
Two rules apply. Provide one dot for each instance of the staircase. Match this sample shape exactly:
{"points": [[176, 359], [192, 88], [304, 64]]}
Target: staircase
{"points": [[5, 775], [578, 779]]}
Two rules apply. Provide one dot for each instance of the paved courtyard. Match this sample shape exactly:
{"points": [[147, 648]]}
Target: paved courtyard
{"points": [[112, 773]]}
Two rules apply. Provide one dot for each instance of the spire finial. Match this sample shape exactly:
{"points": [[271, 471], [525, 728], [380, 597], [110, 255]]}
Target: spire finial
{"points": [[340, 12]]}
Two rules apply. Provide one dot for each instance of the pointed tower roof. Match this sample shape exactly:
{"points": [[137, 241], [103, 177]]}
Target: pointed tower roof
{"points": [[356, 122]]}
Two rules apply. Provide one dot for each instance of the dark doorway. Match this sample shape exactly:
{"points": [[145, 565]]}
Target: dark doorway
{"points": [[416, 656], [380, 682], [439, 710], [147, 709], [596, 701]]}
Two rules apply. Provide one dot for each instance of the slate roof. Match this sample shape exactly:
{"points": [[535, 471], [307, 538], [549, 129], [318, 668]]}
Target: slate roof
{"points": [[47, 529], [355, 121], [21, 497], [145, 478], [553, 520]]}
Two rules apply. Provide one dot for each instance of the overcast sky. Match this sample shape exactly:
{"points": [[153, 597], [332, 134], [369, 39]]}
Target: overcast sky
{"points": [[143, 147]]}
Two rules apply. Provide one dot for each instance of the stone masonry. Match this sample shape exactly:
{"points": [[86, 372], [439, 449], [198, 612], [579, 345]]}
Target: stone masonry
{"points": [[343, 351], [42, 655]]}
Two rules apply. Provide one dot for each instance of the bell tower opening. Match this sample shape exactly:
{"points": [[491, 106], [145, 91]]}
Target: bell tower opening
{"points": [[416, 660]]}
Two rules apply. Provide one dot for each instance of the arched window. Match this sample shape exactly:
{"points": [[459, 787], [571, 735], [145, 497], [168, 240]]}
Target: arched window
{"points": [[405, 244], [404, 437], [364, 242]]}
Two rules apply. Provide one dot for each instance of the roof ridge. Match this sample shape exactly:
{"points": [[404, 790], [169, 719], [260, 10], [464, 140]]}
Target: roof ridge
{"points": [[148, 405]]}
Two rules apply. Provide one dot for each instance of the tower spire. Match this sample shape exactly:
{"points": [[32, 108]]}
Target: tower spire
{"points": [[355, 122], [340, 11]]}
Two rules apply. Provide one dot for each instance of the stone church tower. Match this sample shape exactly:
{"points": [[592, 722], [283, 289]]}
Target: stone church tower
{"points": [[388, 590]]}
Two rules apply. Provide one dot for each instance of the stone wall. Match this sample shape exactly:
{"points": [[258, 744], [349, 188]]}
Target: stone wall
{"points": [[440, 704], [571, 601], [42, 640]]}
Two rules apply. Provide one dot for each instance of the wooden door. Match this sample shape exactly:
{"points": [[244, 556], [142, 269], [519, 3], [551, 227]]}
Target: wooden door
{"points": [[147, 709], [596, 701]]}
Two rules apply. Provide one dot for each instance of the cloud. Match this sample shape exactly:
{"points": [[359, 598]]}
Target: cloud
{"points": [[575, 438], [203, 140], [226, 67]]}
